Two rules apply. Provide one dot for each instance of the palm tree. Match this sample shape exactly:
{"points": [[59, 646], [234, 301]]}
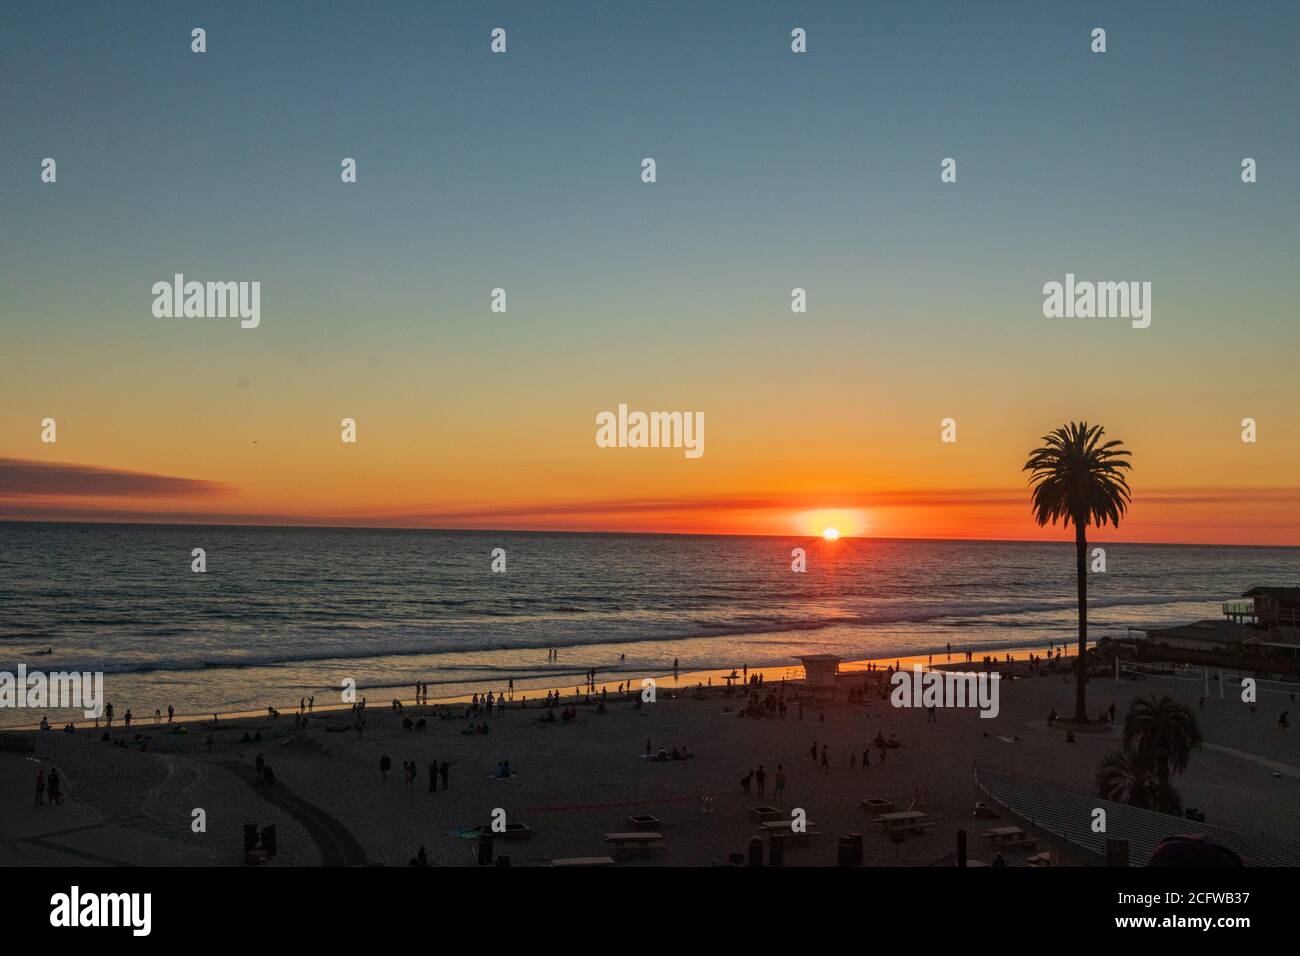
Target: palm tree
{"points": [[1080, 481], [1163, 731], [1126, 777]]}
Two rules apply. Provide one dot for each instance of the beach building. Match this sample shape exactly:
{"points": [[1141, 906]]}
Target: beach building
{"points": [[1273, 619], [1209, 635], [1270, 607], [1266, 627], [820, 670]]}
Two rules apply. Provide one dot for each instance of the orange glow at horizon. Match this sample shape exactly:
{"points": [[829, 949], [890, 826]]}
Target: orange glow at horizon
{"points": [[832, 523]]}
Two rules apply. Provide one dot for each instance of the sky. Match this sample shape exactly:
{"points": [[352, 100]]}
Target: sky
{"points": [[522, 171]]}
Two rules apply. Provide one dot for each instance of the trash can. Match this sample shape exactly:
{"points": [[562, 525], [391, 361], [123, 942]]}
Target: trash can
{"points": [[268, 840], [855, 840], [844, 852], [776, 853]]}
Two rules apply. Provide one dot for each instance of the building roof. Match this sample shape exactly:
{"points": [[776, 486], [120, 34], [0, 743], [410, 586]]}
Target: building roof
{"points": [[820, 658], [1212, 632], [1066, 814], [1278, 594]]}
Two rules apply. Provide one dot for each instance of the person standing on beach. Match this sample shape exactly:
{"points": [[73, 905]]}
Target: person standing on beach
{"points": [[760, 777], [779, 789], [171, 713], [128, 717], [826, 764], [385, 764], [442, 772], [56, 785]]}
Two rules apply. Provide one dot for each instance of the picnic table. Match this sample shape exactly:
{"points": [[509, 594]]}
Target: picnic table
{"points": [[914, 820], [584, 861], [635, 841], [634, 838], [773, 827], [1010, 837]]}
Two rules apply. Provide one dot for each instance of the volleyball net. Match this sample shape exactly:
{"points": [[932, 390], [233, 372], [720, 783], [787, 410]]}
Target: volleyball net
{"points": [[1207, 677]]}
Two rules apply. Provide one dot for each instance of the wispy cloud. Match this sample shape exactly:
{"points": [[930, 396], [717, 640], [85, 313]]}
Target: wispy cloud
{"points": [[24, 478]]}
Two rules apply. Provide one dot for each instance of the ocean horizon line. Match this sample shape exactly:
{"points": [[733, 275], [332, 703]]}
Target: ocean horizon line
{"points": [[641, 534]]}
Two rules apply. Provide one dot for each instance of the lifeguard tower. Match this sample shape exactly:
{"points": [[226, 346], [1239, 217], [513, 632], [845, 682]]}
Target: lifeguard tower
{"points": [[820, 670]]}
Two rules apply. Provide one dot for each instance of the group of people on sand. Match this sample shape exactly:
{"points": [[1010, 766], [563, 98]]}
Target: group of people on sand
{"points": [[487, 703], [437, 772], [757, 779], [567, 716], [771, 704], [677, 753], [68, 728], [53, 785]]}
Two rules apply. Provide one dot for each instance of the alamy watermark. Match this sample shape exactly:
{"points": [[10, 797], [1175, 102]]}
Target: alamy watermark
{"points": [[37, 690], [1099, 300], [927, 689], [73, 909], [651, 430], [179, 299]]}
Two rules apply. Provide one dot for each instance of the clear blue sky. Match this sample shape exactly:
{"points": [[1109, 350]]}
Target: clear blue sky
{"points": [[775, 170]]}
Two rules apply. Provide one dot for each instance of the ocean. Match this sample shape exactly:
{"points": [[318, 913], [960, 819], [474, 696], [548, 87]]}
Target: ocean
{"points": [[282, 613]]}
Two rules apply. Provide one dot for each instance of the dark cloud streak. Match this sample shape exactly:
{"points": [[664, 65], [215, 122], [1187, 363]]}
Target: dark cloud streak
{"points": [[23, 478]]}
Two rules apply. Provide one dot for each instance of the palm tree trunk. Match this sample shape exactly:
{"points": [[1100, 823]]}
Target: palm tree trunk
{"points": [[1081, 567]]}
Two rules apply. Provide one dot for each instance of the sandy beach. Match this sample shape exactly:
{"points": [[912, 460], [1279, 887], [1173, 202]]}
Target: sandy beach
{"points": [[574, 782]]}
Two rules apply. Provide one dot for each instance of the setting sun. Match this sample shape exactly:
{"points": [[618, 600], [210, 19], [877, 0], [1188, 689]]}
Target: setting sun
{"points": [[831, 534]]}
